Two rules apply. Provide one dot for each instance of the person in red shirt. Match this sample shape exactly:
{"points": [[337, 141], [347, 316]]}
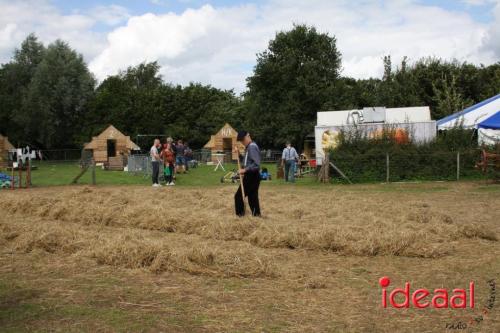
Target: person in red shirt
{"points": [[168, 156]]}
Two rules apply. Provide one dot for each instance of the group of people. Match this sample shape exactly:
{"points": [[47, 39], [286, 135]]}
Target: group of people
{"points": [[172, 157]]}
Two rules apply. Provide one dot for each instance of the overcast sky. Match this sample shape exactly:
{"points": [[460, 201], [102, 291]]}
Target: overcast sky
{"points": [[215, 42]]}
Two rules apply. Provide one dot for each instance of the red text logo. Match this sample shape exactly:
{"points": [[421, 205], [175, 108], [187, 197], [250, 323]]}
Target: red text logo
{"points": [[423, 298]]}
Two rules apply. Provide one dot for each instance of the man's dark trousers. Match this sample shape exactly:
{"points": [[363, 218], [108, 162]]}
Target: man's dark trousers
{"points": [[251, 183], [156, 171]]}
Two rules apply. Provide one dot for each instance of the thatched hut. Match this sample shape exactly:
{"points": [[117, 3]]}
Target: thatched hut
{"points": [[5, 147], [111, 148], [224, 141]]}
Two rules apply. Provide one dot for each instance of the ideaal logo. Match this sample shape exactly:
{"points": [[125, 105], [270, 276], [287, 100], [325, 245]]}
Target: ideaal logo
{"points": [[458, 298]]}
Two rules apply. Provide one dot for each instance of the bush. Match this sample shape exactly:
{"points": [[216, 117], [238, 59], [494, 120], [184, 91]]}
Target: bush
{"points": [[362, 157]]}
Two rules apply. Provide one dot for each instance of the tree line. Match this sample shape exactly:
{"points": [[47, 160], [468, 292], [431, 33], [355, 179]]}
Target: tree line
{"points": [[50, 100]]}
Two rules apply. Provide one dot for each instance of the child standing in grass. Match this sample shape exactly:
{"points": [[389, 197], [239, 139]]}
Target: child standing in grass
{"points": [[168, 162]]}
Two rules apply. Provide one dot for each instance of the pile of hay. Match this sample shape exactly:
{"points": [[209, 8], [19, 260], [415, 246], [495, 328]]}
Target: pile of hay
{"points": [[340, 224]]}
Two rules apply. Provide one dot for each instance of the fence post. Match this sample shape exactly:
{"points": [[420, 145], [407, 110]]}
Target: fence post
{"points": [[458, 165], [387, 169], [93, 171]]}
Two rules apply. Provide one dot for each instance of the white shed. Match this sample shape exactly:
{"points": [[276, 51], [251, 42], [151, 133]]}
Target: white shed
{"points": [[415, 121]]}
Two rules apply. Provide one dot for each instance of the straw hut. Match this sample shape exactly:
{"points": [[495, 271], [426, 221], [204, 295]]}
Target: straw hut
{"points": [[111, 148], [224, 141], [5, 147]]}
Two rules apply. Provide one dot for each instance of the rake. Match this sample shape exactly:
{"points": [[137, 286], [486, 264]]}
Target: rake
{"points": [[241, 183]]}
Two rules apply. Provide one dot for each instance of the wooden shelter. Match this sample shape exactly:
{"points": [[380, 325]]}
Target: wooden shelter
{"points": [[5, 147], [224, 141], [111, 148]]}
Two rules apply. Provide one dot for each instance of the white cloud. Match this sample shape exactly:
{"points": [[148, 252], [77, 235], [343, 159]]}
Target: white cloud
{"points": [[110, 15], [478, 2], [218, 46], [19, 18], [158, 2], [492, 38], [150, 37]]}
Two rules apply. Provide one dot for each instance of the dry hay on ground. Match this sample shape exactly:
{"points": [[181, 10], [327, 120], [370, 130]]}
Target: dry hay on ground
{"points": [[348, 224], [311, 246]]}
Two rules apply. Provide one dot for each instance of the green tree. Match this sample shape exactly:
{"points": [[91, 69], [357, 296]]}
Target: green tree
{"points": [[291, 82], [198, 111], [137, 101], [56, 100], [448, 99], [15, 78], [488, 82], [130, 101]]}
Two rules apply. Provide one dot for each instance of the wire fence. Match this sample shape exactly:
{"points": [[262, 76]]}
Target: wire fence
{"points": [[201, 155], [396, 166], [61, 154], [141, 163], [406, 166]]}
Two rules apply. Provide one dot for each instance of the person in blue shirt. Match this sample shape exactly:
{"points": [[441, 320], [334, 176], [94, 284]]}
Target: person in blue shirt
{"points": [[250, 173], [264, 174]]}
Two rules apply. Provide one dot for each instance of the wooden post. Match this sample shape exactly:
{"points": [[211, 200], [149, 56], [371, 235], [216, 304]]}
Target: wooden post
{"points": [[458, 165], [324, 172], [93, 172], [20, 169], [340, 172], [12, 178], [28, 174], [387, 170]]}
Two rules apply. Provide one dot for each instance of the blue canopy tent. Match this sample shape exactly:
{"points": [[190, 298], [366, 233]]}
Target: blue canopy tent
{"points": [[472, 116], [492, 122], [489, 130]]}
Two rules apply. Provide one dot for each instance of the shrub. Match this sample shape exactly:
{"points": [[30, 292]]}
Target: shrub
{"points": [[362, 157]]}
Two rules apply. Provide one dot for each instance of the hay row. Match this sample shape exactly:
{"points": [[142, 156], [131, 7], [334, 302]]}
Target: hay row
{"points": [[135, 251], [420, 232]]}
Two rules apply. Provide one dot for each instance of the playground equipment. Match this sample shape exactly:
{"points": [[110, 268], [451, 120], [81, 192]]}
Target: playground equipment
{"points": [[305, 166]]}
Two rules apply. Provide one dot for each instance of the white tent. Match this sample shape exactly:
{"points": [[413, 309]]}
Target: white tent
{"points": [[472, 116], [489, 130], [484, 116]]}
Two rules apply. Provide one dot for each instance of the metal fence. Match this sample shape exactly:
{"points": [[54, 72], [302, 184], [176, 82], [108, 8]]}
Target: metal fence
{"points": [[394, 167], [266, 156], [61, 154], [202, 156], [403, 166], [139, 164]]}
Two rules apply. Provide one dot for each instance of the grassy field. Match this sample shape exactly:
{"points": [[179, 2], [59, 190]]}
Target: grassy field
{"points": [[62, 173], [138, 259]]}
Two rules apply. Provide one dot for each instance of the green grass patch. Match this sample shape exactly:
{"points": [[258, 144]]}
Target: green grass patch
{"points": [[63, 173]]}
